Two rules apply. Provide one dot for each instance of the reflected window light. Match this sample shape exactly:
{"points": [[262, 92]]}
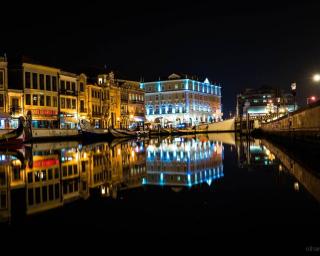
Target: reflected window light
{"points": [[103, 190], [296, 186]]}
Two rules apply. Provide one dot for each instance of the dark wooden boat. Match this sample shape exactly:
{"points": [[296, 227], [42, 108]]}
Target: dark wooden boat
{"points": [[117, 133], [16, 136]]}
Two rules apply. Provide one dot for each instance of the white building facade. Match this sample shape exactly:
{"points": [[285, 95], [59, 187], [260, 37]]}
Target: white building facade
{"points": [[182, 101]]}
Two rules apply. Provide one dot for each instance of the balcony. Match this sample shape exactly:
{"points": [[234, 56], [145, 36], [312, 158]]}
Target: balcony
{"points": [[136, 102], [139, 114], [68, 92], [96, 114]]}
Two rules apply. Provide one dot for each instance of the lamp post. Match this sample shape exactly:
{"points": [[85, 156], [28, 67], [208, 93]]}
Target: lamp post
{"points": [[294, 92]]}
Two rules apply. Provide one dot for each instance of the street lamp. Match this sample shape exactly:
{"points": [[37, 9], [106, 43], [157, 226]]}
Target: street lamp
{"points": [[316, 77], [311, 99], [294, 92]]}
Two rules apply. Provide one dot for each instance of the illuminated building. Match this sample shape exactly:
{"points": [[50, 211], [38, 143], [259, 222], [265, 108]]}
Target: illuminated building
{"points": [[183, 161], [111, 98], [39, 87], [259, 103], [82, 97], [68, 100], [95, 103], [132, 103], [182, 100], [3, 84]]}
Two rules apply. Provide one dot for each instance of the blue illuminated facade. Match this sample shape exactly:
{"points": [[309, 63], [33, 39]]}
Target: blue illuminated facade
{"points": [[176, 101]]}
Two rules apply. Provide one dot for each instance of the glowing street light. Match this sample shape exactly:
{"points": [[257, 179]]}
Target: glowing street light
{"points": [[316, 77], [311, 99]]}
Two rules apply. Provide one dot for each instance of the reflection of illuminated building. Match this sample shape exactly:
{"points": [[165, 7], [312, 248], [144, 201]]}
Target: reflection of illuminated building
{"points": [[43, 182], [254, 153], [113, 167], [304, 176], [183, 162], [134, 163], [49, 175]]}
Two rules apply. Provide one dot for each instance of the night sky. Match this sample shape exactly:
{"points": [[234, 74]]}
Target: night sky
{"points": [[240, 45]]}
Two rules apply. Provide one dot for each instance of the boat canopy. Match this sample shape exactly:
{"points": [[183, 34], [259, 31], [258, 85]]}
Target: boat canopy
{"points": [[5, 115]]}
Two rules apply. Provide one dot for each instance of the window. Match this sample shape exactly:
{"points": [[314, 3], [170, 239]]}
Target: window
{"points": [[81, 105], [27, 79], [51, 192], [74, 105], [54, 84], [1, 100], [81, 87], [38, 198], [68, 86], [73, 86], [41, 78], [63, 102], [34, 81], [68, 103], [48, 101], [35, 100], [1, 79], [28, 99], [48, 83], [41, 100], [62, 85], [30, 196], [30, 177], [44, 194], [55, 101], [50, 174], [56, 173]]}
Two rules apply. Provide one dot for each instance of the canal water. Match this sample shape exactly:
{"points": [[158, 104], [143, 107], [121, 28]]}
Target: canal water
{"points": [[212, 186]]}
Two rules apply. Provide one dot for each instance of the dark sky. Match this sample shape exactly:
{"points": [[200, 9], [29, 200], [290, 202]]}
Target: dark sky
{"points": [[239, 44]]}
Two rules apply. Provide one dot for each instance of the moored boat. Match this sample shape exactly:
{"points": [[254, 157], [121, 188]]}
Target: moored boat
{"points": [[16, 136]]}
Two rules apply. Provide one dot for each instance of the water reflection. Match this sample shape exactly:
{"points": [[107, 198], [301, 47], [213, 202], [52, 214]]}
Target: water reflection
{"points": [[255, 153], [183, 161], [49, 175]]}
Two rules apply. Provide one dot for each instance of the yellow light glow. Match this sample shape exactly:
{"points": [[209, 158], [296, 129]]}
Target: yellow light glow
{"points": [[280, 168], [131, 116], [296, 186], [316, 78], [119, 151]]}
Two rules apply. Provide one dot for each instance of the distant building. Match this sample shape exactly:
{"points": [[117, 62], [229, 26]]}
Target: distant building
{"points": [[132, 103], [111, 100], [182, 100], [3, 84], [263, 102]]}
